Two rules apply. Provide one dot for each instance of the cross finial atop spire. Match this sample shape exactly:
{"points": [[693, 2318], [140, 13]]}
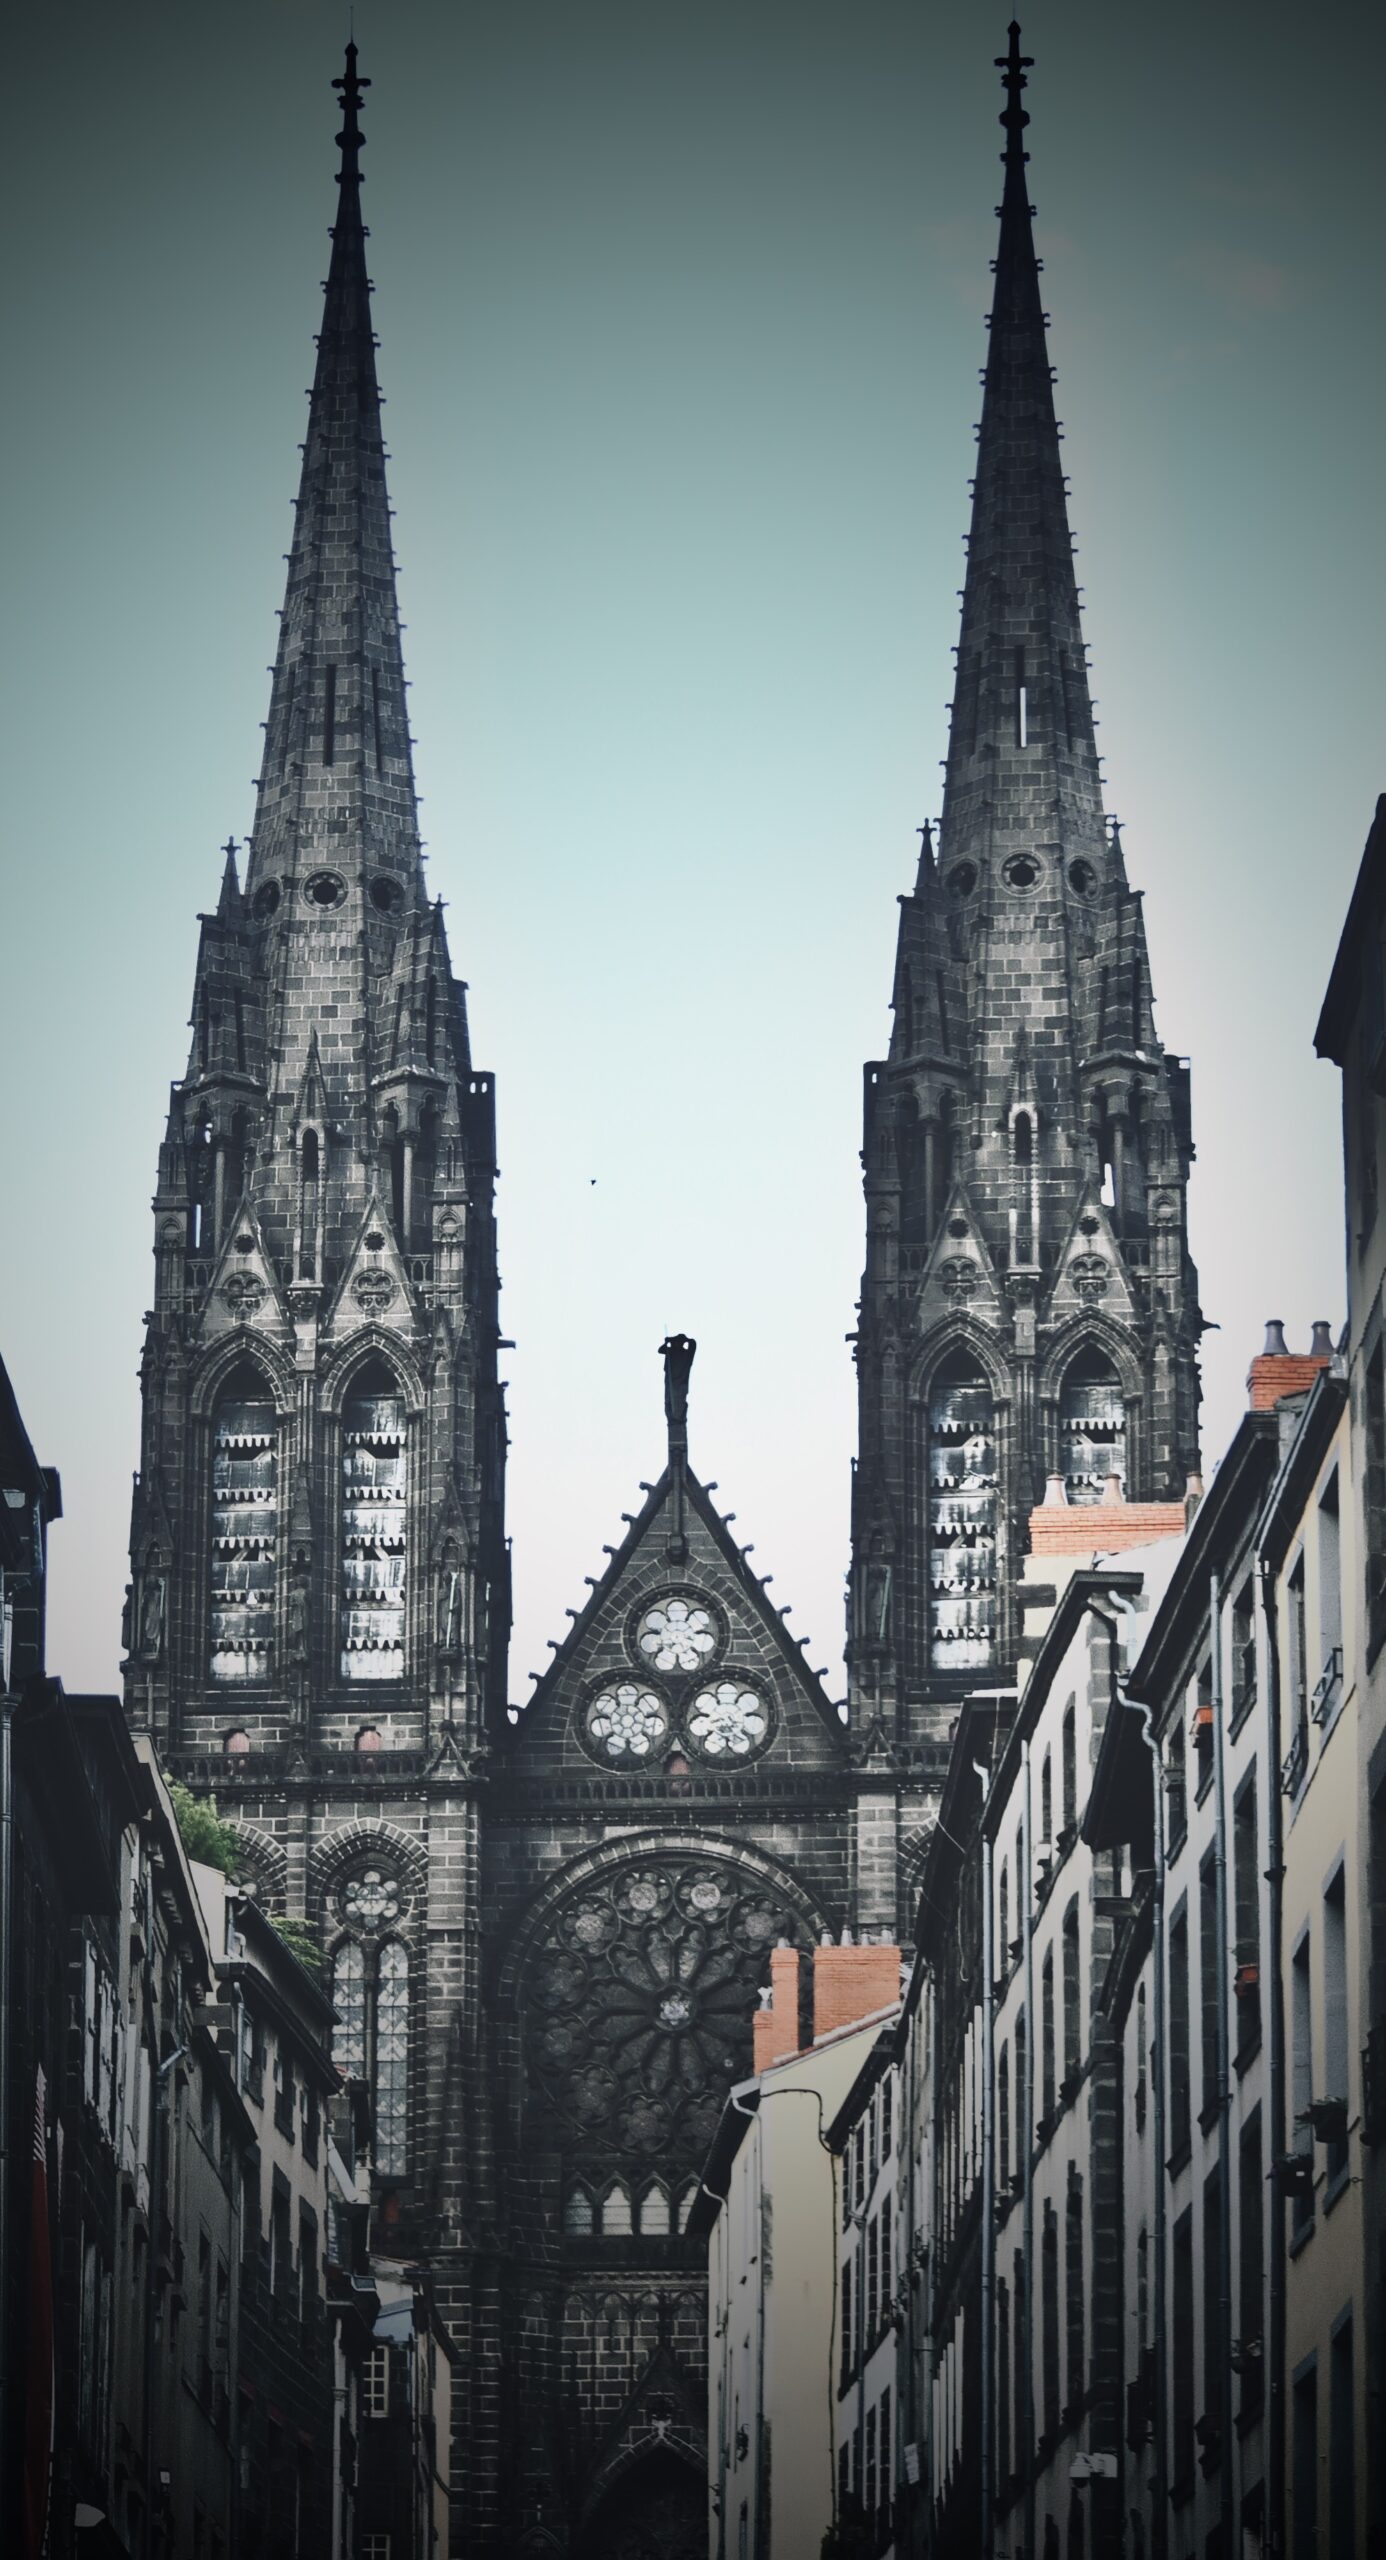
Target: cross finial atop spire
{"points": [[1013, 66], [351, 137]]}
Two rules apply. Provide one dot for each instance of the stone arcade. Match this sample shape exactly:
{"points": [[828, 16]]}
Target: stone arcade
{"points": [[544, 1939]]}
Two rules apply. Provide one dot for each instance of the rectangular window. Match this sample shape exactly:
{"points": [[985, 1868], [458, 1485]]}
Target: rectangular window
{"points": [[375, 2384], [1073, 1996], [1022, 708], [1182, 2350], [1022, 2370], [870, 2462], [1074, 2295], [1330, 1680], [1304, 2458], [887, 2116], [1176, 1784], [1070, 1769], [1246, 1896], [1342, 2491], [1024, 2126], [1374, 1496], [873, 2278], [887, 2483], [1298, 1665], [887, 2285], [1047, 2034], [1049, 2318], [1335, 2022], [1003, 2378], [847, 2277], [1180, 2127], [1243, 1650], [1302, 2072], [1212, 2318], [329, 715], [1209, 1961], [1251, 2264], [1003, 2117]]}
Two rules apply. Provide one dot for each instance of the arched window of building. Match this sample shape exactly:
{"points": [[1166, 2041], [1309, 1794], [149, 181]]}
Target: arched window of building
{"points": [[616, 2215], [309, 1163], [374, 1517], [577, 2214], [1024, 1246], [370, 2042], [654, 2211], [962, 1517], [1092, 1427], [244, 1529]]}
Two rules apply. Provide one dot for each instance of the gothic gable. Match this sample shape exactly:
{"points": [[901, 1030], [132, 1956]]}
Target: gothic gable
{"points": [[374, 1287], [244, 1293], [960, 1276], [1091, 1279], [679, 1661]]}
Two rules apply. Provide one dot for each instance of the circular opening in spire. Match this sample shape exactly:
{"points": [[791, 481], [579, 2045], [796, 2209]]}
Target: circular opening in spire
{"points": [[962, 880], [325, 889], [387, 896], [265, 900], [1021, 872], [1082, 878]]}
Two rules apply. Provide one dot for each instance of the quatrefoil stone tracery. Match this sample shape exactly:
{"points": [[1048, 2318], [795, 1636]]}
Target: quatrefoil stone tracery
{"points": [[677, 1635]]}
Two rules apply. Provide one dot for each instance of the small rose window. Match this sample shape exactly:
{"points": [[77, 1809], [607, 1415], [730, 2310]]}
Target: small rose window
{"points": [[728, 1722], [370, 1898], [627, 1723], [676, 1635]]}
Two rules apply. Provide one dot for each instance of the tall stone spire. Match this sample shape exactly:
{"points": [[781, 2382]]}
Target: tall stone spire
{"points": [[1029, 1309]]}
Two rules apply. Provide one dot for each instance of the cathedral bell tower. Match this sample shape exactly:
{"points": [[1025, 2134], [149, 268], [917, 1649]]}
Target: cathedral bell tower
{"points": [[318, 1610], [1029, 1310]]}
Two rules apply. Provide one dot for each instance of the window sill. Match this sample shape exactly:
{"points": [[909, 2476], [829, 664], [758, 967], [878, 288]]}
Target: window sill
{"points": [[1205, 1782], [1337, 2186], [1182, 2489], [1172, 1851], [1300, 2238], [1246, 2054], [1179, 2159], [1208, 2116], [1240, 1713]]}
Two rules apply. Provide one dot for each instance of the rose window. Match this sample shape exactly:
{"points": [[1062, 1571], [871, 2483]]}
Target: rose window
{"points": [[677, 1635], [728, 1722], [370, 1898], [639, 2003], [627, 1723]]}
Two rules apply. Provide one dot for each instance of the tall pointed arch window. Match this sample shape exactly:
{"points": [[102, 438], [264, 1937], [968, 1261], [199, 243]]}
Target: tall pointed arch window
{"points": [[962, 1516], [244, 1529], [370, 2042], [1092, 1427], [374, 1523]]}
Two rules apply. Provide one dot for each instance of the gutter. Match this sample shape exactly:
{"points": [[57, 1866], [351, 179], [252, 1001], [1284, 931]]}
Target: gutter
{"points": [[1275, 1879]]}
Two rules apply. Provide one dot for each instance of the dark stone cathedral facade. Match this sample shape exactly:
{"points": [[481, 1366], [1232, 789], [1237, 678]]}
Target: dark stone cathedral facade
{"points": [[544, 1936]]}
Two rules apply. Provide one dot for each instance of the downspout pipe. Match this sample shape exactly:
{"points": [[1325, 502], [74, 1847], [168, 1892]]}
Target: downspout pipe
{"points": [[1275, 1880], [7, 1707], [1025, 2417], [1227, 2503], [988, 2237], [1160, 2444]]}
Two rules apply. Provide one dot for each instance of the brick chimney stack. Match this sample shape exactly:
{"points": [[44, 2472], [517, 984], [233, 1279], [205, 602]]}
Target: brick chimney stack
{"points": [[1277, 1371], [849, 1983]]}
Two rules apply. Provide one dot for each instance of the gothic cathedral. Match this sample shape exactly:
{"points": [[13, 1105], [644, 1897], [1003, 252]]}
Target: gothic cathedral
{"points": [[544, 1934]]}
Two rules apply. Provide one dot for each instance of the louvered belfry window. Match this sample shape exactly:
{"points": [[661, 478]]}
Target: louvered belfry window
{"points": [[1092, 1428], [962, 1518], [374, 1511], [244, 1534]]}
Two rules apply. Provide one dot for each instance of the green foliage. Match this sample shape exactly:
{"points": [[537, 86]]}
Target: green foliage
{"points": [[204, 1834], [300, 1941]]}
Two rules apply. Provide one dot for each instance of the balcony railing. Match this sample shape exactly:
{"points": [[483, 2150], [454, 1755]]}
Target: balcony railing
{"points": [[1329, 1688]]}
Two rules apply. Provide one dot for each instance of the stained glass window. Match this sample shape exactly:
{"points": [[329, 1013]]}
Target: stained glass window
{"points": [[626, 1723], [245, 1520], [373, 1537], [677, 1635], [391, 2058], [349, 2001], [1092, 1428], [728, 1722], [962, 1518]]}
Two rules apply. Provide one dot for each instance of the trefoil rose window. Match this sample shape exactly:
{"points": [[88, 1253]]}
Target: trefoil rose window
{"points": [[677, 1635], [626, 1723], [728, 1722]]}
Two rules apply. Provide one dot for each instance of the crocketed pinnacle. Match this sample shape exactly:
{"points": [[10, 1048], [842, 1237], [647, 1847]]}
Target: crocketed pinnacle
{"points": [[1022, 762]]}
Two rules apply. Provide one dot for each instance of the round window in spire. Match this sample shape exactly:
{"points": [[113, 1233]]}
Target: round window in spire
{"points": [[265, 900], [1021, 872], [325, 889], [387, 896], [961, 880], [626, 1725], [728, 1722], [680, 1633], [1082, 878]]}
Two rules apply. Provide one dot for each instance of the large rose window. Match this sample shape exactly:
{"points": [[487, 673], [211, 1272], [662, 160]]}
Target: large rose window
{"points": [[728, 1722], [626, 1724], [676, 1635], [639, 2007]]}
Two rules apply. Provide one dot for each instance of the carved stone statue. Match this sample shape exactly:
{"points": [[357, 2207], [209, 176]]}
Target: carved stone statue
{"points": [[152, 1617]]}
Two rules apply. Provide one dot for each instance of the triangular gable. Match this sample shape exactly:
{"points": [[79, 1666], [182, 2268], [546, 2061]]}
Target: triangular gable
{"points": [[374, 1287], [679, 1573], [959, 1276], [244, 1295], [1091, 1277]]}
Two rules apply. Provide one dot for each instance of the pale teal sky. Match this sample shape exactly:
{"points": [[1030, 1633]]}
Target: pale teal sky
{"points": [[681, 316]]}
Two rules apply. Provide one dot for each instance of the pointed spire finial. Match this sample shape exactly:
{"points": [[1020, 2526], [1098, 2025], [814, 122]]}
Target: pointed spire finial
{"points": [[676, 1351], [350, 138], [1013, 65]]}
